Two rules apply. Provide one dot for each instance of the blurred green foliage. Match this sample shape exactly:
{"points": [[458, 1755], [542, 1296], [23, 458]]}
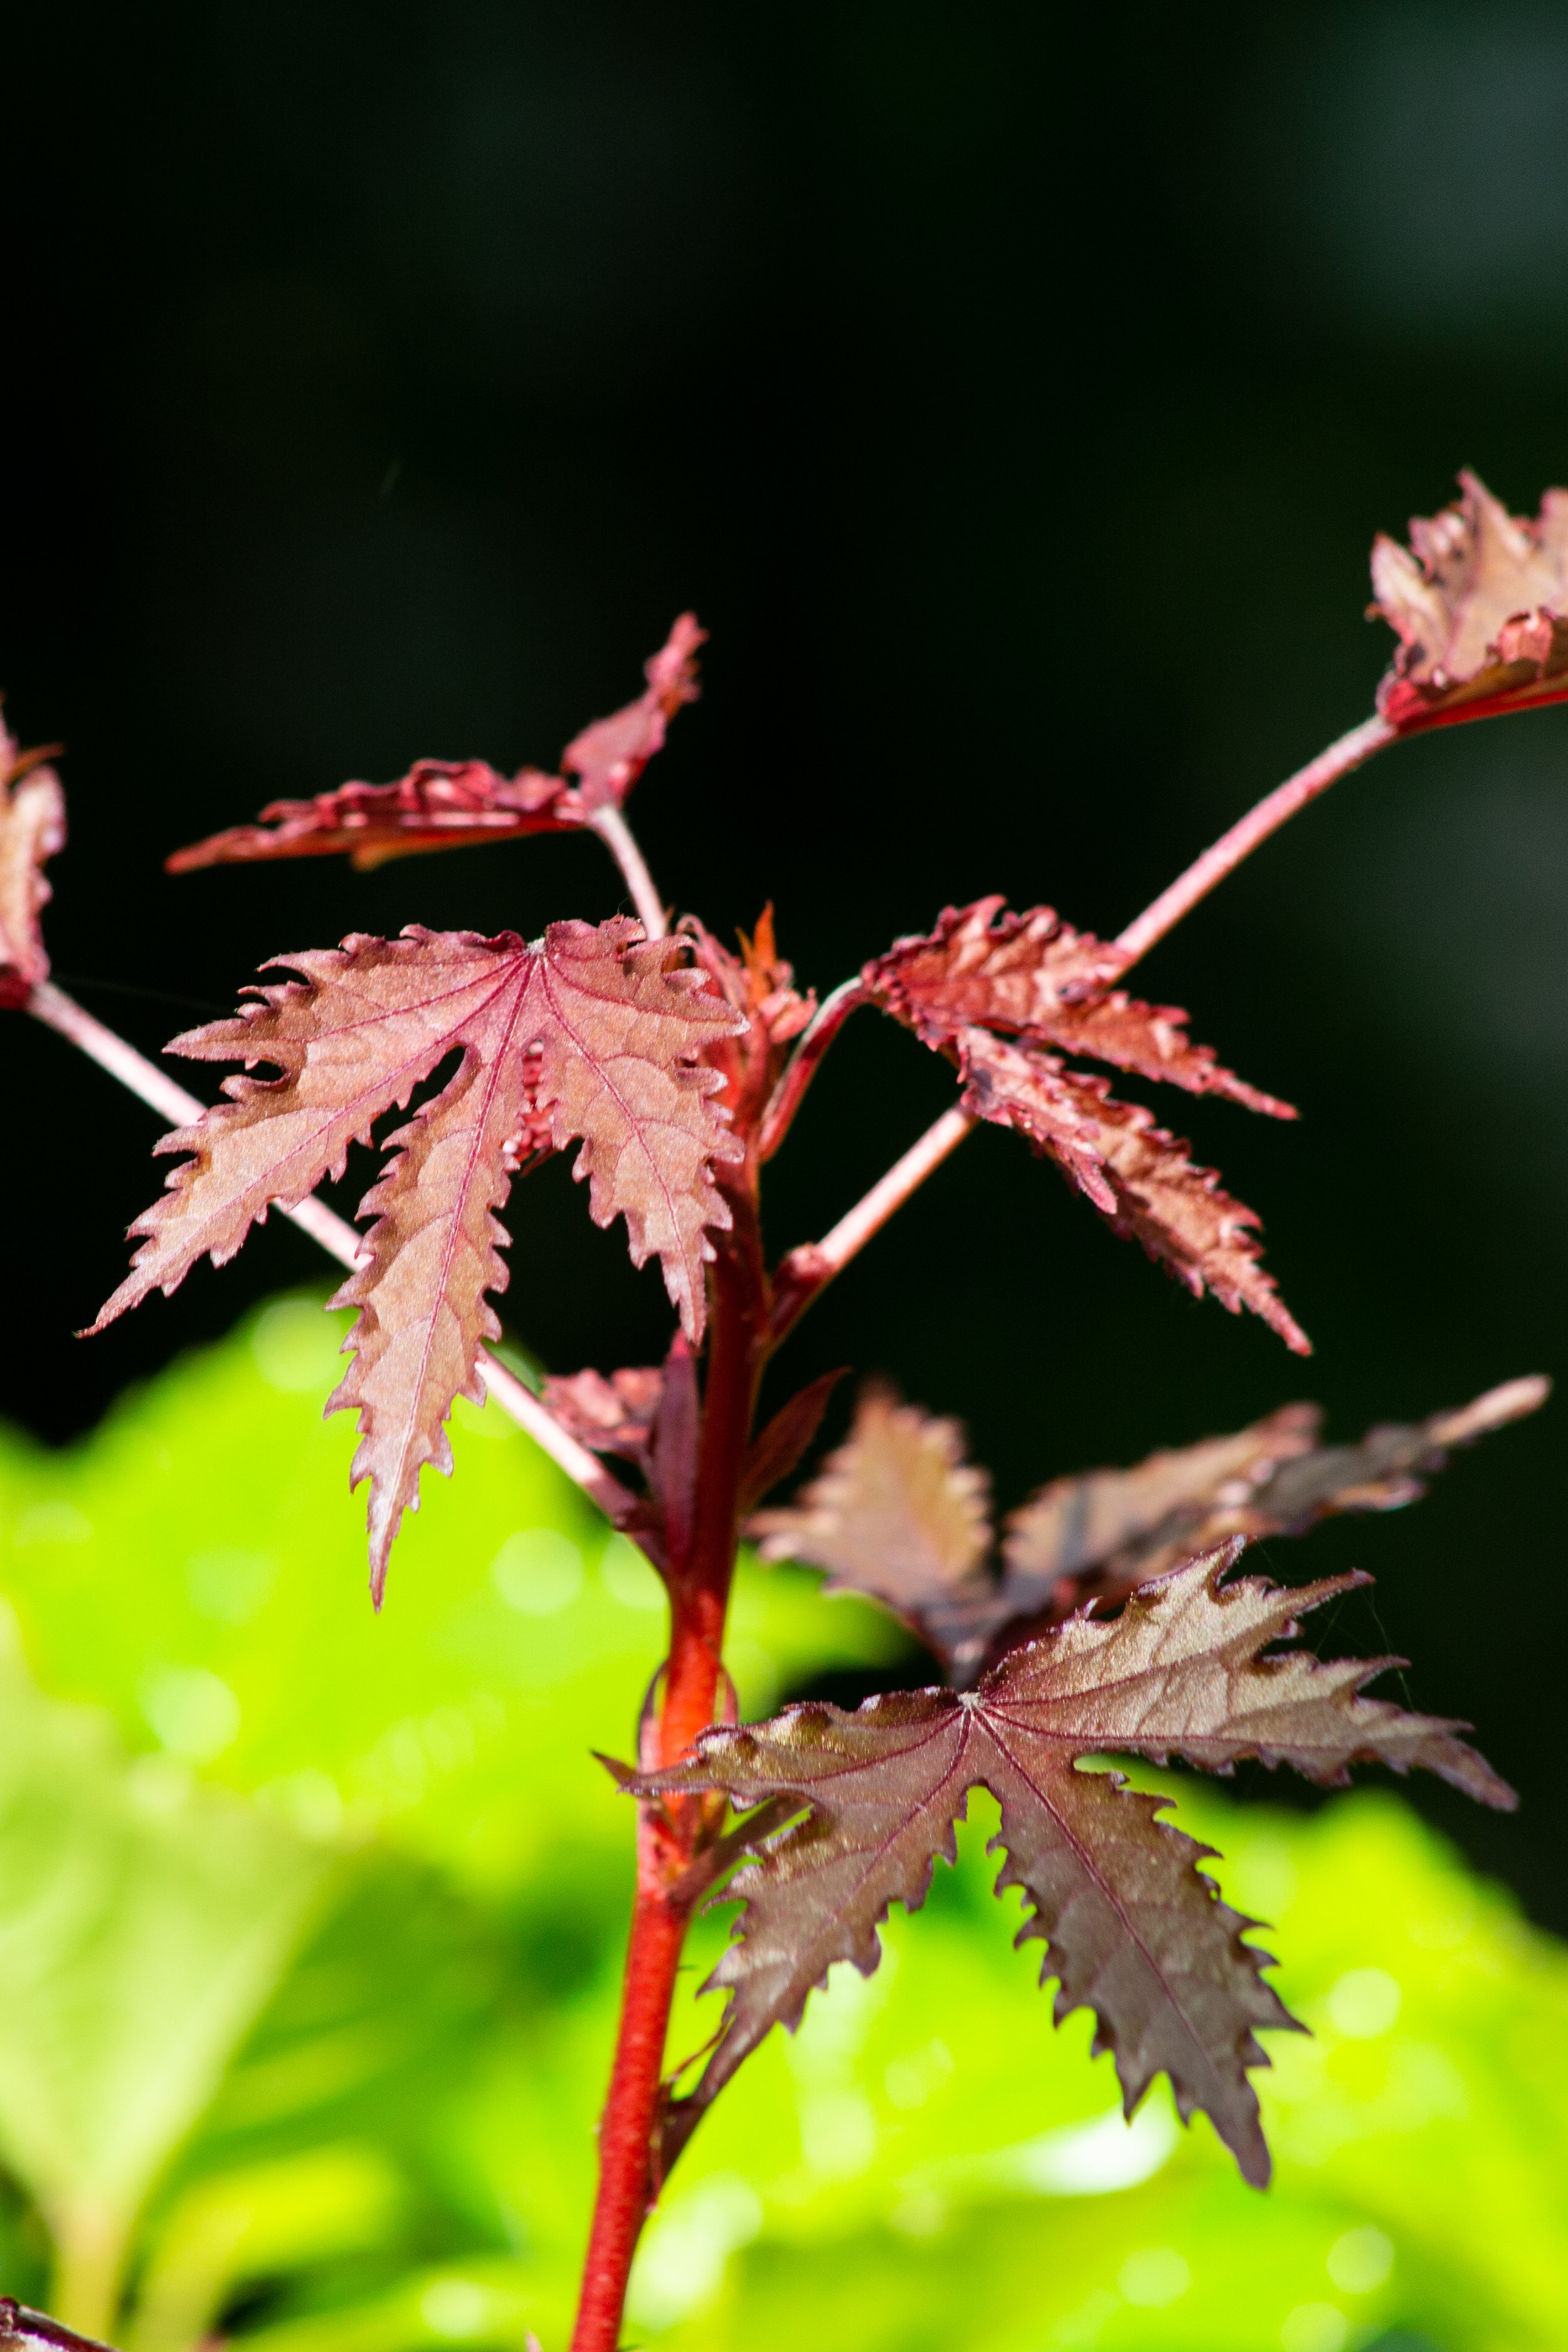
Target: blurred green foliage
{"points": [[309, 1929]]}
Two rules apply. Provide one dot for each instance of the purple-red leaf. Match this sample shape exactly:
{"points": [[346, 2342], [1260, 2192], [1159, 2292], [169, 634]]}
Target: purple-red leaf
{"points": [[1033, 976], [454, 803], [1138, 1176], [1480, 603], [32, 829], [590, 1035], [1132, 1929], [1004, 997]]}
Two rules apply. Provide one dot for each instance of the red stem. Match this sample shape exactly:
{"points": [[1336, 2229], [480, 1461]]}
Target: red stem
{"points": [[700, 1593]]}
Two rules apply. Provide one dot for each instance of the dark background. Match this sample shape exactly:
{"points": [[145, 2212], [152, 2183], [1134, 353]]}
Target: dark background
{"points": [[1015, 393]]}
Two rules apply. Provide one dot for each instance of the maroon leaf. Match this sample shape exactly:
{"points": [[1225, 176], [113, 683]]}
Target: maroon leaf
{"points": [[1138, 1176], [1480, 603], [1031, 976], [1131, 1928], [983, 978], [454, 804], [593, 1030], [32, 829]]}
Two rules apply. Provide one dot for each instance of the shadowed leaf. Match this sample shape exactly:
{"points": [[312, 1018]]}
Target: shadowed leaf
{"points": [[1107, 1530], [591, 1035], [1480, 603], [32, 829], [454, 803], [1132, 1929], [882, 1513], [896, 1510]]}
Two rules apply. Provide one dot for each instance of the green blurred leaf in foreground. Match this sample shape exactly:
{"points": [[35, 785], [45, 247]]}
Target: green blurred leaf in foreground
{"points": [[309, 1937]]}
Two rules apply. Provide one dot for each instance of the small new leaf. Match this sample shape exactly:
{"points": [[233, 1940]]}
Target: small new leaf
{"points": [[32, 829], [456, 803], [1132, 1929], [776, 1449], [1480, 603], [1004, 997], [610, 1416], [590, 1035], [760, 984]]}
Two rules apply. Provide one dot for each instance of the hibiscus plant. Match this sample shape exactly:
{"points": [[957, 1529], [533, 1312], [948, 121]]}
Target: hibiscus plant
{"points": [[1107, 1617]]}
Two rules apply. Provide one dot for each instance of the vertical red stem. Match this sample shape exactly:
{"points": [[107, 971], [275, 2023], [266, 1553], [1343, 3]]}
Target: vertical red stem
{"points": [[700, 1593]]}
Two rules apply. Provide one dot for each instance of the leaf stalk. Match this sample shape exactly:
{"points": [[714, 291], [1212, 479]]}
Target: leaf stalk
{"points": [[621, 842]]}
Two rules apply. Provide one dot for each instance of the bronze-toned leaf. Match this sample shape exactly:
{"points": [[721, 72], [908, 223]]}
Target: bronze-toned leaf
{"points": [[1480, 603], [596, 1031], [1107, 1530], [1097, 1523], [1096, 1534], [896, 1510], [32, 829], [1131, 1928]]}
